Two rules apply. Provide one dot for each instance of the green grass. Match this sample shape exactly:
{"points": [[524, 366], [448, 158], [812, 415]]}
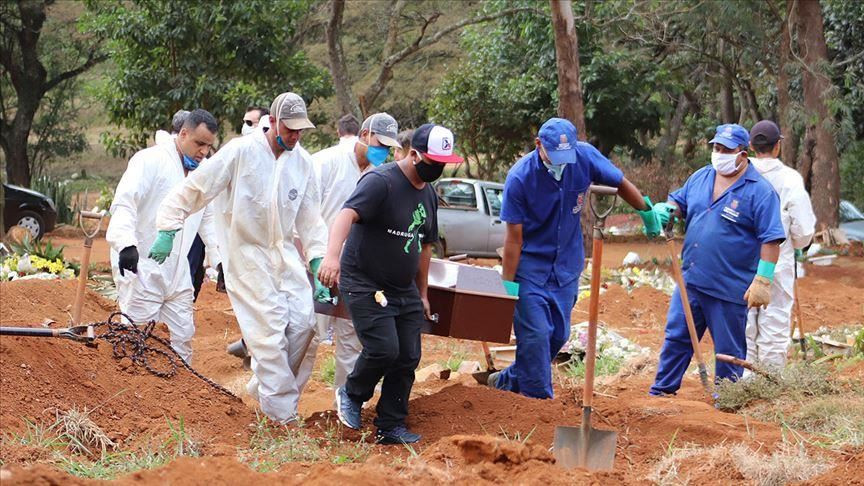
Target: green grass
{"points": [[604, 366], [455, 360], [272, 446], [327, 372]]}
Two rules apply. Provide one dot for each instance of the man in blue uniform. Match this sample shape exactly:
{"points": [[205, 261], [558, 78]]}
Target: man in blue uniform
{"points": [[544, 196], [733, 239]]}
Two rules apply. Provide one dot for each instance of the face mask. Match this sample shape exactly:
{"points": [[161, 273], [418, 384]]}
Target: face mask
{"points": [[556, 171], [724, 164], [189, 163], [429, 172], [246, 130], [376, 155]]}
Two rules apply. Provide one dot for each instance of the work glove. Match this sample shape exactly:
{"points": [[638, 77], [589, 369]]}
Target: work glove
{"points": [[799, 255], [220, 280], [512, 288], [128, 260], [663, 211], [759, 293], [162, 246], [651, 226], [322, 293]]}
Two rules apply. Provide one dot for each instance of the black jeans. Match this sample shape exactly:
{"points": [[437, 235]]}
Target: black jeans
{"points": [[391, 349]]}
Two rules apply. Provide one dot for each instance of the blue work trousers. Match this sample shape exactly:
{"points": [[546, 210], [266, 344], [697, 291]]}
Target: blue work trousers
{"points": [[725, 320], [542, 326]]}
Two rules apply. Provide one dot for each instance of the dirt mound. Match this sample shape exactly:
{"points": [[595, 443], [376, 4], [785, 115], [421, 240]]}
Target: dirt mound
{"points": [[830, 296], [848, 472], [639, 315], [46, 376]]}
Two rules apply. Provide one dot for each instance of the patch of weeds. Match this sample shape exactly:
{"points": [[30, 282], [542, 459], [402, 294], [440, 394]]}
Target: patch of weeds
{"points": [[834, 422], [788, 463], [605, 365], [82, 434], [38, 435], [517, 437], [113, 464], [455, 360], [327, 372], [797, 381], [272, 446]]}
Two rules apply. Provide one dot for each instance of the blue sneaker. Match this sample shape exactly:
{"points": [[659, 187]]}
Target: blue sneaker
{"points": [[396, 435], [347, 409]]}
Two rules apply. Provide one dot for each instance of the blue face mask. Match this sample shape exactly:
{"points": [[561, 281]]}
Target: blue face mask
{"points": [[281, 143], [376, 155], [189, 163]]}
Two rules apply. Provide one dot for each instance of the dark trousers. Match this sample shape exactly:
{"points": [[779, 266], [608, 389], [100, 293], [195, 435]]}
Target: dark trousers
{"points": [[391, 349], [196, 264]]}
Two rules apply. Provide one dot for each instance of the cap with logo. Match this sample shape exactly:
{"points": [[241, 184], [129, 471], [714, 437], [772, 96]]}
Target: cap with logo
{"points": [[436, 143], [291, 109], [766, 132], [558, 138], [384, 127], [731, 136]]}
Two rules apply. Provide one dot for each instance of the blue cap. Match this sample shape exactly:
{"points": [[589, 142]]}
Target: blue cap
{"points": [[558, 137], [732, 136]]}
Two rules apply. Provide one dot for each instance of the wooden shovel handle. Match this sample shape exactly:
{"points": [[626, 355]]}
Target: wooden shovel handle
{"points": [[685, 301], [593, 312]]}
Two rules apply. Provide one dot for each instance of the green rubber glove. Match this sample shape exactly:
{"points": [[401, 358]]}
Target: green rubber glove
{"points": [[321, 293], [664, 212], [512, 288], [162, 246], [651, 226], [799, 254]]}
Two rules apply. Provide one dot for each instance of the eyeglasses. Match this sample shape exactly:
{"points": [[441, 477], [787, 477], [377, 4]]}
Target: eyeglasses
{"points": [[248, 123]]}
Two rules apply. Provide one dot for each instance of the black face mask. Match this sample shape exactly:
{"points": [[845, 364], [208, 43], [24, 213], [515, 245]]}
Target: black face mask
{"points": [[428, 172]]}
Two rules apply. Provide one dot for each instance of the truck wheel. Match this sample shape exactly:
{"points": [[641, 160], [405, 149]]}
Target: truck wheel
{"points": [[438, 249], [32, 222]]}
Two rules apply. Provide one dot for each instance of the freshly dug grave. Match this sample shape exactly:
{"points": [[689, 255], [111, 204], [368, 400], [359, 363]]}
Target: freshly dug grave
{"points": [[40, 377]]}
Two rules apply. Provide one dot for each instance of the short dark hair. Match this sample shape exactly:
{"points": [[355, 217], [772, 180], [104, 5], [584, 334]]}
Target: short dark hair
{"points": [[404, 139], [199, 116], [764, 148], [263, 111], [348, 125]]}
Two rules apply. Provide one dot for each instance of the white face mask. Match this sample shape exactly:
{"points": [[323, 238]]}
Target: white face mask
{"points": [[246, 130], [556, 171], [724, 164]]}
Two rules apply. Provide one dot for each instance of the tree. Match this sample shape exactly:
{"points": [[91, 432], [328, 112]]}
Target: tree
{"points": [[570, 104], [220, 56], [820, 166], [39, 74]]}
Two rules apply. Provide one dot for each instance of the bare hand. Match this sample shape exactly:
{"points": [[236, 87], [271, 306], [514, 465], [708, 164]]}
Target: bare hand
{"points": [[427, 312], [329, 271]]}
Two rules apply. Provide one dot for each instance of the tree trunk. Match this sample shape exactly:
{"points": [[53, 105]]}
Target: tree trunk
{"points": [[338, 69], [727, 102], [789, 144], [570, 105], [666, 146], [817, 89]]}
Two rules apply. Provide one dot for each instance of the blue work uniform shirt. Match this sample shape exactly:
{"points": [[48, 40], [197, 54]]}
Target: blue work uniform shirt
{"points": [[549, 212], [724, 237]]}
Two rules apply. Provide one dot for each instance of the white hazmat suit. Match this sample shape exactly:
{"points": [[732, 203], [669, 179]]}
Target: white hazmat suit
{"points": [[265, 200], [164, 292], [337, 171], [768, 329]]}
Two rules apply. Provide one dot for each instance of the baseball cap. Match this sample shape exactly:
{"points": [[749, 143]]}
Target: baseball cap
{"points": [[731, 135], [436, 143], [558, 137], [765, 132], [384, 127], [291, 108]]}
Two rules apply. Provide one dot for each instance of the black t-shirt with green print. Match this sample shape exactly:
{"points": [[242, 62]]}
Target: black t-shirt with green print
{"points": [[396, 219]]}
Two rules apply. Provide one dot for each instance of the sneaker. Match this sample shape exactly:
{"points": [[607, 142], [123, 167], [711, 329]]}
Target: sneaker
{"points": [[347, 409], [396, 435]]}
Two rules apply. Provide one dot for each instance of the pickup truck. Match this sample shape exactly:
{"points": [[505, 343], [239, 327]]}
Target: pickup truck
{"points": [[469, 217]]}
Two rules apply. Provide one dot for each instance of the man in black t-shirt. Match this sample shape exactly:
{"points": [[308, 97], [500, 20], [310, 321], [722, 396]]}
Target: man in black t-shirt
{"points": [[392, 220]]}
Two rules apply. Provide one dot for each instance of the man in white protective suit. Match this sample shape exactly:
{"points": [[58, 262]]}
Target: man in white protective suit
{"points": [[147, 291], [768, 328], [338, 169], [269, 192]]}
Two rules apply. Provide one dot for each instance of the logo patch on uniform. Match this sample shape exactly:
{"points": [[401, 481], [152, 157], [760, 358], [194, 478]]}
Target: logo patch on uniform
{"points": [[292, 194], [580, 199], [563, 144], [734, 204]]}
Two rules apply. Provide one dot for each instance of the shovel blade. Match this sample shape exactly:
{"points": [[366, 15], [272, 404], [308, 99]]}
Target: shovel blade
{"points": [[586, 447], [482, 377]]}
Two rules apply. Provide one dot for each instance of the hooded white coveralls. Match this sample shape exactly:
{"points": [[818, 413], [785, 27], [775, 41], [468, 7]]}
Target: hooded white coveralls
{"points": [[157, 292], [265, 199], [337, 171], [768, 329]]}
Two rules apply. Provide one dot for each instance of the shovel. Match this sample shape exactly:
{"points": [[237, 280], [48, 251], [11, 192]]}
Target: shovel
{"points": [[82, 334], [85, 259], [585, 446], [685, 303], [482, 377]]}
